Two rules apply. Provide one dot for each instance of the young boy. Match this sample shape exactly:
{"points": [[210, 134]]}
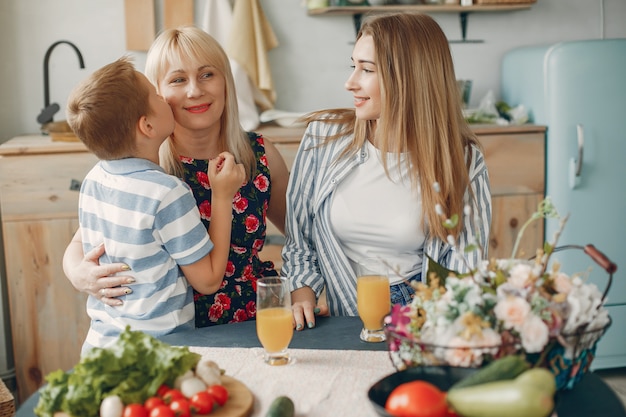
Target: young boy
{"points": [[145, 218]]}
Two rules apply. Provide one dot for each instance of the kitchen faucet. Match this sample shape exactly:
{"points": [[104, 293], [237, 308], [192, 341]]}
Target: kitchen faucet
{"points": [[49, 110]]}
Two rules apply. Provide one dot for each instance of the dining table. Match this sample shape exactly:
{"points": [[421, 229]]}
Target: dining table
{"points": [[332, 371]]}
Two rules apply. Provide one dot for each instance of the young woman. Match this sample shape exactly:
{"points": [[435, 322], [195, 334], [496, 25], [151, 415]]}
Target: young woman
{"points": [[378, 180], [191, 71]]}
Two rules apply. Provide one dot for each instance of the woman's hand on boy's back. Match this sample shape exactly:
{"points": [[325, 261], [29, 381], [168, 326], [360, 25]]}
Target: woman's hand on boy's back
{"points": [[225, 175]]}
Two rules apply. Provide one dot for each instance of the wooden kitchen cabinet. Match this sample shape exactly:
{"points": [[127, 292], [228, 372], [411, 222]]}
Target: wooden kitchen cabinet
{"points": [[38, 209], [515, 157]]}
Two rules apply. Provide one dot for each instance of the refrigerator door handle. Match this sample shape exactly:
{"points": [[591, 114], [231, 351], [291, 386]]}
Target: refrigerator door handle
{"points": [[576, 165]]}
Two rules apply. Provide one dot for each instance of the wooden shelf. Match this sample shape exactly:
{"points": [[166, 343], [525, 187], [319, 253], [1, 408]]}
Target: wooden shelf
{"points": [[357, 12], [422, 8]]}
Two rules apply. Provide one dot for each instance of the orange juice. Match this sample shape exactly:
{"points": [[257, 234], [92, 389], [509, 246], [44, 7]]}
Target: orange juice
{"points": [[373, 300], [274, 328]]}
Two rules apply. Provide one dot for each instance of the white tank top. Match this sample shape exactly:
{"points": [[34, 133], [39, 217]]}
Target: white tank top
{"points": [[374, 216]]}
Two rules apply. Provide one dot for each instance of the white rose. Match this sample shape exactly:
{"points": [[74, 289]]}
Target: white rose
{"points": [[520, 275], [534, 334]]}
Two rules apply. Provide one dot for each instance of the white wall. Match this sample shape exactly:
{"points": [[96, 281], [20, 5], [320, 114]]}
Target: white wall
{"points": [[309, 67]]}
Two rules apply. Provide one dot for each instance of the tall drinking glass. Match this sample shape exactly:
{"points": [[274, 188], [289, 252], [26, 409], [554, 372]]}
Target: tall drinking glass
{"points": [[274, 319], [373, 298]]}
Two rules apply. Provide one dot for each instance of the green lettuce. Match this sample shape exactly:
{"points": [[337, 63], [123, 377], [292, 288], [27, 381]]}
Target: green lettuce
{"points": [[133, 368]]}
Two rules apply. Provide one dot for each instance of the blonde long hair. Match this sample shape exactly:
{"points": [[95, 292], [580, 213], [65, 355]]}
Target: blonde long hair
{"points": [[421, 112], [192, 42]]}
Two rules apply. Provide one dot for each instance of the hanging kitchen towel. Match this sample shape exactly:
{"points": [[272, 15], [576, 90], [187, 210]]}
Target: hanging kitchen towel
{"points": [[250, 40], [218, 19], [217, 22]]}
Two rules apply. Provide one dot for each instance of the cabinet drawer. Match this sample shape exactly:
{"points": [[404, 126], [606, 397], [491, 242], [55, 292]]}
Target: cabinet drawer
{"points": [[38, 186], [516, 162]]}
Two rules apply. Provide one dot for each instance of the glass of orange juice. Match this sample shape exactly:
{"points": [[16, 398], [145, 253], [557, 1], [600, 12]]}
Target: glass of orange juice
{"points": [[274, 319], [373, 298]]}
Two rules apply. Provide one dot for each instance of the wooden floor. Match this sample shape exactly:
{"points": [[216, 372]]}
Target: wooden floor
{"points": [[616, 379]]}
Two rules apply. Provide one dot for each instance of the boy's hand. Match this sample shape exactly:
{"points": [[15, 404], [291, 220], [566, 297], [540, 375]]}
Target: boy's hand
{"points": [[225, 176]]}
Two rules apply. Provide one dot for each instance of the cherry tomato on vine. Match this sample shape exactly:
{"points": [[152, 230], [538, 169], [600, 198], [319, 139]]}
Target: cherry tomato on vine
{"points": [[201, 402], [171, 395], [181, 407], [162, 390], [135, 410], [153, 402], [162, 411], [219, 393]]}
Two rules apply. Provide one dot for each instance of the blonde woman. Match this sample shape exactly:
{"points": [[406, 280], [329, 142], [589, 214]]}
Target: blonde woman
{"points": [[191, 71], [375, 180]]}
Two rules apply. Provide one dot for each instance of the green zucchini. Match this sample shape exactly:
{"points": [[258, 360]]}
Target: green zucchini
{"points": [[281, 407], [508, 367]]}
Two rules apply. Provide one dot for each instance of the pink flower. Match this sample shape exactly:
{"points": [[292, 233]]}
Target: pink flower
{"points": [[512, 311], [223, 300], [562, 283], [215, 312]]}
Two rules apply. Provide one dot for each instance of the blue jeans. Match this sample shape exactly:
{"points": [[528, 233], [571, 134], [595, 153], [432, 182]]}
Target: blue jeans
{"points": [[402, 293]]}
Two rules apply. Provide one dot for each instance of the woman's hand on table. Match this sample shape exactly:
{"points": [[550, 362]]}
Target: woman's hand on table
{"points": [[90, 277], [305, 308]]}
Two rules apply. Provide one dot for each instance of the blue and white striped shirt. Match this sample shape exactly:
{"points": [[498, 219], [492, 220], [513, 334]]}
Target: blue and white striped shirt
{"points": [[312, 255], [148, 220]]}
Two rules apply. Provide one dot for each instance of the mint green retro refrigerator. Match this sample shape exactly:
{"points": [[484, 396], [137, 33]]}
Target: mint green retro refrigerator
{"points": [[577, 89]]}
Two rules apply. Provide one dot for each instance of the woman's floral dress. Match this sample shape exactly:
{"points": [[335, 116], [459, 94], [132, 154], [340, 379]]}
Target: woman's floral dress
{"points": [[235, 301]]}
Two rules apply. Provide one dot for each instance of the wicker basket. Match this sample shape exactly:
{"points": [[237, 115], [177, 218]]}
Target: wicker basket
{"points": [[7, 403], [504, 1]]}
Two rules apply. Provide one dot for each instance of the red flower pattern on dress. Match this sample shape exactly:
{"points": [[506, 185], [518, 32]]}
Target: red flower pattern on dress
{"points": [[251, 309], [262, 183], [238, 250], [238, 290], [215, 312], [223, 300], [239, 316], [203, 179], [252, 223], [230, 269], [205, 210], [258, 244], [240, 204]]}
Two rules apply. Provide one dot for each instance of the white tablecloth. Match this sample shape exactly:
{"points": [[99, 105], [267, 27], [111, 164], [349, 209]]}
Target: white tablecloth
{"points": [[321, 383]]}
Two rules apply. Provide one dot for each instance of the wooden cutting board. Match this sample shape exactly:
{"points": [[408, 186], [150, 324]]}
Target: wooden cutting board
{"points": [[240, 401], [140, 26], [177, 13]]}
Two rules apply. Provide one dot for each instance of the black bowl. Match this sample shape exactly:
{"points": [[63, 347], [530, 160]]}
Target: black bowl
{"points": [[443, 377]]}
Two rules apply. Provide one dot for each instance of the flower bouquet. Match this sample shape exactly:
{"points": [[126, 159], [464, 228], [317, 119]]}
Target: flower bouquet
{"points": [[502, 307]]}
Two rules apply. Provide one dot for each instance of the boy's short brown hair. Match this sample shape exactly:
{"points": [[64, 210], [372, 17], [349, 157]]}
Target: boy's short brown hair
{"points": [[103, 110]]}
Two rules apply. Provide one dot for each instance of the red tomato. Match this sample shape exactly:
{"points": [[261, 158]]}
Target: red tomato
{"points": [[135, 410], [219, 393], [181, 407], [417, 399], [153, 402], [171, 395], [162, 411], [162, 390], [202, 402]]}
